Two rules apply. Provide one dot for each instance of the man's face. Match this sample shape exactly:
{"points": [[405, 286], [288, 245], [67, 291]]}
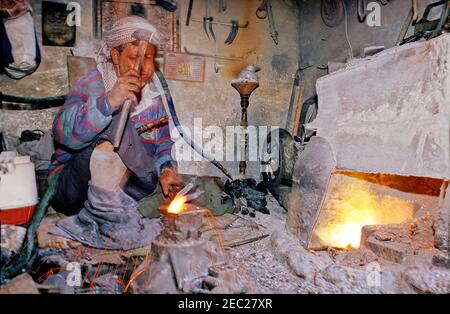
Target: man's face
{"points": [[128, 57]]}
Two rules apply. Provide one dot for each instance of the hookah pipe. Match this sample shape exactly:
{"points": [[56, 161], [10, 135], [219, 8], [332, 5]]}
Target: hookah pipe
{"points": [[236, 188], [245, 85]]}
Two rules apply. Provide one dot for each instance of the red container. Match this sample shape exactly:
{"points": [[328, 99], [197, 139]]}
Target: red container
{"points": [[17, 216]]}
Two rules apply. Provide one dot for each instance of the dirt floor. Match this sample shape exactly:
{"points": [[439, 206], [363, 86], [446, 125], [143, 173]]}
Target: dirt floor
{"points": [[396, 259], [257, 260], [277, 264]]}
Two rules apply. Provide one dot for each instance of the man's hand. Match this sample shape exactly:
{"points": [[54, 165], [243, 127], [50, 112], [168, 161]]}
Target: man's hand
{"points": [[170, 182], [126, 87]]}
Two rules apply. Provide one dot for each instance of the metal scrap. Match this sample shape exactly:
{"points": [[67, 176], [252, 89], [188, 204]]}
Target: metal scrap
{"points": [[246, 241]]}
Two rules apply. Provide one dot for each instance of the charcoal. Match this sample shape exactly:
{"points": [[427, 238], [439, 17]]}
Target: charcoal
{"points": [[255, 194]]}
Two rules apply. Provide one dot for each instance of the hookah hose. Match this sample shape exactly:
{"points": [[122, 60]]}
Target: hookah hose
{"points": [[19, 263], [11, 102], [185, 137]]}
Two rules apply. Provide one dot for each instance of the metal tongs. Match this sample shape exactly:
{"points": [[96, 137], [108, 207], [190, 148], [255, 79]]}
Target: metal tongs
{"points": [[184, 192]]}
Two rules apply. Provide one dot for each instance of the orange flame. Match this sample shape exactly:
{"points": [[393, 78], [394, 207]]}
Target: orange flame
{"points": [[354, 205], [177, 205]]}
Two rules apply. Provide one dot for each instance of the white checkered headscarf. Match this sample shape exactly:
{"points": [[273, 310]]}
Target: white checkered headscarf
{"points": [[121, 33]]}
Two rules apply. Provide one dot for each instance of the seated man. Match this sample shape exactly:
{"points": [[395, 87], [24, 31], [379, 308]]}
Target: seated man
{"points": [[106, 185]]}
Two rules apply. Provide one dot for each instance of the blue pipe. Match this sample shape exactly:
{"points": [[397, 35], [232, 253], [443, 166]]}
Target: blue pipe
{"points": [[183, 134]]}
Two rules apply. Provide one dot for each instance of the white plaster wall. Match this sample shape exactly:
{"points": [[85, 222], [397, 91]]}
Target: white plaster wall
{"points": [[391, 113]]}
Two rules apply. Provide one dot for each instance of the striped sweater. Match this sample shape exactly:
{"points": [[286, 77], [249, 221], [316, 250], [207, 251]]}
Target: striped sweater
{"points": [[86, 114]]}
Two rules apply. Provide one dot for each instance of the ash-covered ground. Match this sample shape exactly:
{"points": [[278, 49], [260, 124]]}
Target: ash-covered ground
{"points": [[278, 264], [402, 258]]}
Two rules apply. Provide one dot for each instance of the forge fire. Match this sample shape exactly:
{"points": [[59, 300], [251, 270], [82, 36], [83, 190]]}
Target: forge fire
{"points": [[224, 147], [353, 205]]}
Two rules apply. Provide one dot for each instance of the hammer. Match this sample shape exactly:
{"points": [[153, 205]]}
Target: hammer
{"points": [[143, 37]]}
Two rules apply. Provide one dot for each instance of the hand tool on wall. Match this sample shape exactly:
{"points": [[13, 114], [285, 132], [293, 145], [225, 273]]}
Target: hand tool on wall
{"points": [[143, 37], [425, 28], [410, 19], [233, 32], [332, 12], [167, 5], [383, 2], [265, 10], [444, 21], [210, 26], [361, 8], [293, 116], [217, 66], [273, 30], [189, 12], [208, 22], [206, 19], [415, 9], [222, 6], [261, 11], [234, 25]]}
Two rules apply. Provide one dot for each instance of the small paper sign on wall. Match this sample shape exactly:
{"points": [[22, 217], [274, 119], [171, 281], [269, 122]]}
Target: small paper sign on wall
{"points": [[184, 67]]}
